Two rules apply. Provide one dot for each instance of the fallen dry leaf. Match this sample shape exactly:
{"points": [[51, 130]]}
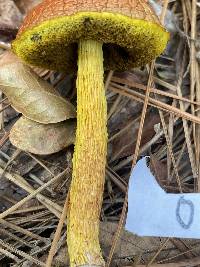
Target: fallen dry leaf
{"points": [[129, 247], [10, 16], [123, 147], [159, 170], [42, 139], [35, 98], [26, 5]]}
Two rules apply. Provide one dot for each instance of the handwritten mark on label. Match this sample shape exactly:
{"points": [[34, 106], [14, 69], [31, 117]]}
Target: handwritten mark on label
{"points": [[190, 204], [153, 212]]}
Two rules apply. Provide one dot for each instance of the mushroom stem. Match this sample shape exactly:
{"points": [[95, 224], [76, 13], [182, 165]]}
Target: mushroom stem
{"points": [[89, 160]]}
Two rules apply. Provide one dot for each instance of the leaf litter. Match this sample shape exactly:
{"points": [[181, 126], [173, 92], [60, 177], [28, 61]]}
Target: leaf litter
{"points": [[170, 137], [31, 95]]}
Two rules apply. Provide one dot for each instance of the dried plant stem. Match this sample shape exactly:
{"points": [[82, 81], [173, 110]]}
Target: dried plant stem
{"points": [[198, 127], [4, 139], [193, 60], [15, 237], [171, 134], [14, 156], [190, 262], [114, 106], [8, 254], [5, 46], [186, 130], [180, 254], [158, 252], [116, 179], [123, 130], [40, 163], [7, 106], [22, 230], [117, 81], [164, 10], [1, 115], [137, 147], [57, 234], [109, 77], [21, 253], [32, 194], [155, 103], [142, 150], [170, 149], [21, 182]]}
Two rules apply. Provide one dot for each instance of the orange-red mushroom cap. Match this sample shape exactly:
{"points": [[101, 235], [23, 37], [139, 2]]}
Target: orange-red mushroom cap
{"points": [[130, 31]]}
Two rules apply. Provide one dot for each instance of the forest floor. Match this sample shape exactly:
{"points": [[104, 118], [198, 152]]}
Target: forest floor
{"points": [[170, 135]]}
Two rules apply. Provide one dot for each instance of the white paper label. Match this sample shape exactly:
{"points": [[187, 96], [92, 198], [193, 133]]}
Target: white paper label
{"points": [[153, 212]]}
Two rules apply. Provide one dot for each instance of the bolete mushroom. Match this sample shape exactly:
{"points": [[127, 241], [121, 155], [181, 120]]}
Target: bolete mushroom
{"points": [[95, 35]]}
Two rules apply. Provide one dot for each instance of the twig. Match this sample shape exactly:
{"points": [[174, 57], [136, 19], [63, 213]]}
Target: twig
{"points": [[5, 46], [17, 179], [22, 230], [152, 90], [9, 255], [158, 252], [158, 104], [33, 194], [191, 262], [21, 253], [109, 77], [57, 234], [137, 147]]}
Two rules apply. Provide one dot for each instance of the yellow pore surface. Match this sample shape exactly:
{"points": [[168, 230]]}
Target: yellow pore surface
{"points": [[126, 42]]}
